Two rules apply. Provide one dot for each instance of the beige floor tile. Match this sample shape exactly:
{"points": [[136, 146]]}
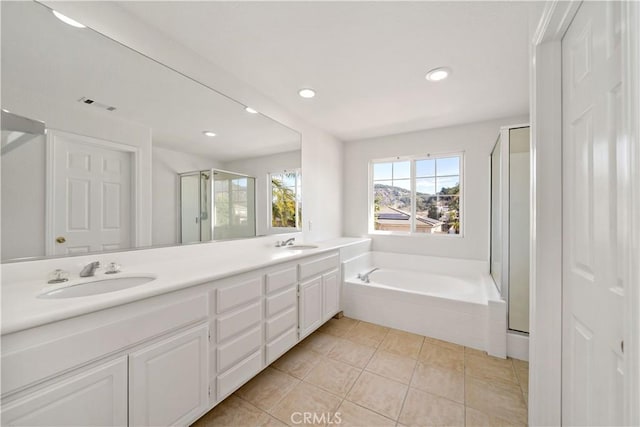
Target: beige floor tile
{"points": [[522, 372], [402, 343], [442, 357], [319, 342], [442, 382], [475, 418], [352, 415], [297, 362], [425, 409], [306, 398], [474, 352], [272, 422], [491, 369], [390, 365], [446, 344], [333, 376], [267, 388], [338, 327], [367, 334], [499, 400], [379, 394], [352, 353], [233, 411]]}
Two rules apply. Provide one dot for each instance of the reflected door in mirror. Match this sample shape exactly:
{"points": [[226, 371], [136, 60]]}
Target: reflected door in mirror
{"points": [[90, 195]]}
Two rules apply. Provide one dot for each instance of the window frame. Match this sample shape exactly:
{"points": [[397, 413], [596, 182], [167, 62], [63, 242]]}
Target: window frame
{"points": [[412, 226], [278, 230]]}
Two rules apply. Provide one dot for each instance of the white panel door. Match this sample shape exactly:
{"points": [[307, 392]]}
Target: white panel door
{"points": [[310, 306], [331, 294], [91, 200], [169, 380], [97, 397], [594, 226]]}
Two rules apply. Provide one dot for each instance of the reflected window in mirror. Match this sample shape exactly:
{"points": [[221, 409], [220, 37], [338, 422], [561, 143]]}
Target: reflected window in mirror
{"points": [[286, 200]]}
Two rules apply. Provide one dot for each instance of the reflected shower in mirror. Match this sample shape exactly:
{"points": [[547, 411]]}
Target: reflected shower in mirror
{"points": [[120, 128], [216, 204]]}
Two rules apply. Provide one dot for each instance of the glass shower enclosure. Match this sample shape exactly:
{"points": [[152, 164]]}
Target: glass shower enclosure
{"points": [[216, 205], [510, 210]]}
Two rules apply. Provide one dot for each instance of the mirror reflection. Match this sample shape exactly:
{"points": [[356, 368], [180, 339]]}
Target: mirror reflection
{"points": [[102, 149]]}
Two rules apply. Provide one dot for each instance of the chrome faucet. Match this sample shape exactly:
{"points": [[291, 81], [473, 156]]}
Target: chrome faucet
{"points": [[90, 269], [365, 277], [286, 242]]}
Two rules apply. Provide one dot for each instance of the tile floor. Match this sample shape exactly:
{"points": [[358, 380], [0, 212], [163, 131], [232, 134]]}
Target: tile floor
{"points": [[375, 376]]}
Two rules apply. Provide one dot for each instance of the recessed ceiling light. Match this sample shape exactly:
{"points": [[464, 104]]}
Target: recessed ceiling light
{"points": [[209, 133], [68, 20], [250, 110], [438, 74], [307, 93]]}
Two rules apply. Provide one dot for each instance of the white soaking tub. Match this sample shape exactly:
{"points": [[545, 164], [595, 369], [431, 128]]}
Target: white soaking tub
{"points": [[450, 299]]}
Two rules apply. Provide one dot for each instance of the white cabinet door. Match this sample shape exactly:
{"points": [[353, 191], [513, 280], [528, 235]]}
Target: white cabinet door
{"points": [[168, 381], [331, 291], [97, 397], [310, 303]]}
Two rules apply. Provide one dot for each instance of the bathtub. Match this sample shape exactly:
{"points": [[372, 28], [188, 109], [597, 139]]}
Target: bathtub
{"points": [[449, 299]]}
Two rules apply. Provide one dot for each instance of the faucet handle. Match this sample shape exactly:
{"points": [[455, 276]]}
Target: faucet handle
{"points": [[112, 268], [58, 276]]}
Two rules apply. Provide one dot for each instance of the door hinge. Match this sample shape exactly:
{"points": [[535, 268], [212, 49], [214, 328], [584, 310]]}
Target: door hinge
{"points": [[209, 335], [209, 391]]}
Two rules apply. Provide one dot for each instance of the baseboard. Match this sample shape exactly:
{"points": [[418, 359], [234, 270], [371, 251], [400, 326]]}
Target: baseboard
{"points": [[518, 346]]}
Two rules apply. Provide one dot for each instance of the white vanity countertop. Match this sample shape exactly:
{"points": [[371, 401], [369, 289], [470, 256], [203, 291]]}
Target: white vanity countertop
{"points": [[175, 268]]}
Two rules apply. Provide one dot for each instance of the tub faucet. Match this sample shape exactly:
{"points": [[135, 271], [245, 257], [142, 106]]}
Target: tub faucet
{"points": [[365, 277], [90, 269]]}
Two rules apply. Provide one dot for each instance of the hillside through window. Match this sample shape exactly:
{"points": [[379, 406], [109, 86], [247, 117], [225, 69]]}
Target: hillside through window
{"points": [[418, 195]]}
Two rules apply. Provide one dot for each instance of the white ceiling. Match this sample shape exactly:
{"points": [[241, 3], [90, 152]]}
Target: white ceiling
{"points": [[367, 60], [45, 61]]}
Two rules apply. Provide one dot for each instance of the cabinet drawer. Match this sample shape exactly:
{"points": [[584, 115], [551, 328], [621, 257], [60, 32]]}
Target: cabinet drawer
{"points": [[279, 302], [317, 266], [237, 349], [240, 373], [281, 279], [278, 347], [238, 294], [281, 323], [230, 324]]}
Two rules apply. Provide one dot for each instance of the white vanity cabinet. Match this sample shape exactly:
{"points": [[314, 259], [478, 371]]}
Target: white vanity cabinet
{"points": [[156, 373], [319, 292], [71, 402], [238, 314], [168, 380], [281, 311], [168, 359]]}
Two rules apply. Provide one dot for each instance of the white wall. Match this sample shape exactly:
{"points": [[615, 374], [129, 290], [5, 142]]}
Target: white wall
{"points": [[475, 139], [321, 153], [167, 164], [260, 168]]}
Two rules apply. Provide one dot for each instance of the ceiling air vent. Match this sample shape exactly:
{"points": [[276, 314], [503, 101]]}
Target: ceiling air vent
{"points": [[95, 103]]}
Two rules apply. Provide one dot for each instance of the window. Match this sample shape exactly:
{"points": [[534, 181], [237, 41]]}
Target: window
{"points": [[286, 201], [417, 195]]}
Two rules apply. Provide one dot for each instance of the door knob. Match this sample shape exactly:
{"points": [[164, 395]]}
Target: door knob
{"points": [[60, 239]]}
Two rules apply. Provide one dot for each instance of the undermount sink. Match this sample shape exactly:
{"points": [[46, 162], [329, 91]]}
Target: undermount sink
{"points": [[302, 247], [97, 286]]}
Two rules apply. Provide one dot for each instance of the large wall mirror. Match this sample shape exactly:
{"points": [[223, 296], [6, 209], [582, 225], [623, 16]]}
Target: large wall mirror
{"points": [[97, 138]]}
